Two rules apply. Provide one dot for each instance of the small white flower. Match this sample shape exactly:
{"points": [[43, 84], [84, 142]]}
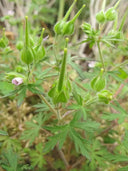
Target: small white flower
{"points": [[10, 12], [92, 64], [17, 81]]}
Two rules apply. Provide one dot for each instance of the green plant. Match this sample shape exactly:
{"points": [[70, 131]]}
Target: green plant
{"points": [[74, 119]]}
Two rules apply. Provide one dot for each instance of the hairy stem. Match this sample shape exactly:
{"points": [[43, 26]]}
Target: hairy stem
{"points": [[61, 10], [101, 57], [48, 104]]}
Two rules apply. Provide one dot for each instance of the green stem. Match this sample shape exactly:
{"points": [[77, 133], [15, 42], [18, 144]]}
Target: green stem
{"points": [[61, 9], [58, 112], [103, 5], [48, 104], [101, 57], [78, 84], [26, 31], [28, 74], [120, 65]]}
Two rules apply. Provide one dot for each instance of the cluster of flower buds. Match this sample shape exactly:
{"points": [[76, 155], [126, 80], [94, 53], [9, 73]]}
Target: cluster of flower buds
{"points": [[109, 15], [30, 52], [65, 27]]}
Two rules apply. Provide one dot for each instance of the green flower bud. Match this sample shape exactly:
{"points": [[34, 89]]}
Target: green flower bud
{"points": [[19, 45], [59, 27], [60, 96], [86, 28], [27, 55], [98, 83], [105, 96], [100, 17], [110, 14], [39, 52], [60, 24], [68, 28]]}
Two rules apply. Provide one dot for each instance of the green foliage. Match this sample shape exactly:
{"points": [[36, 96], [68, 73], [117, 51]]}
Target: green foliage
{"points": [[9, 160], [64, 111], [32, 128], [98, 156], [120, 115], [36, 156]]}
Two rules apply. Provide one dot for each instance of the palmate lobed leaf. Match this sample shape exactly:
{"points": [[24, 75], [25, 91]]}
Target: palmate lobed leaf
{"points": [[9, 160], [121, 115], [117, 158], [89, 126], [97, 155], [36, 156], [81, 144], [57, 138], [33, 128], [61, 133]]}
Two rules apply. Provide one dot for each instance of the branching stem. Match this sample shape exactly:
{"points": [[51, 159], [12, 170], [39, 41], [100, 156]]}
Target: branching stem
{"points": [[101, 57]]}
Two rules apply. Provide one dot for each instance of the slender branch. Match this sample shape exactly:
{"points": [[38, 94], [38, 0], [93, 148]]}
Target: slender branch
{"points": [[48, 104], [67, 113], [78, 162], [78, 84], [62, 156], [61, 9], [101, 57]]}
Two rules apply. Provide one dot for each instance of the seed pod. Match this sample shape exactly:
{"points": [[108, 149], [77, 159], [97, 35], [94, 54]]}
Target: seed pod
{"points": [[105, 96], [59, 26], [68, 28], [62, 71], [100, 17], [110, 14], [19, 45], [27, 55], [39, 53], [98, 83]]}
